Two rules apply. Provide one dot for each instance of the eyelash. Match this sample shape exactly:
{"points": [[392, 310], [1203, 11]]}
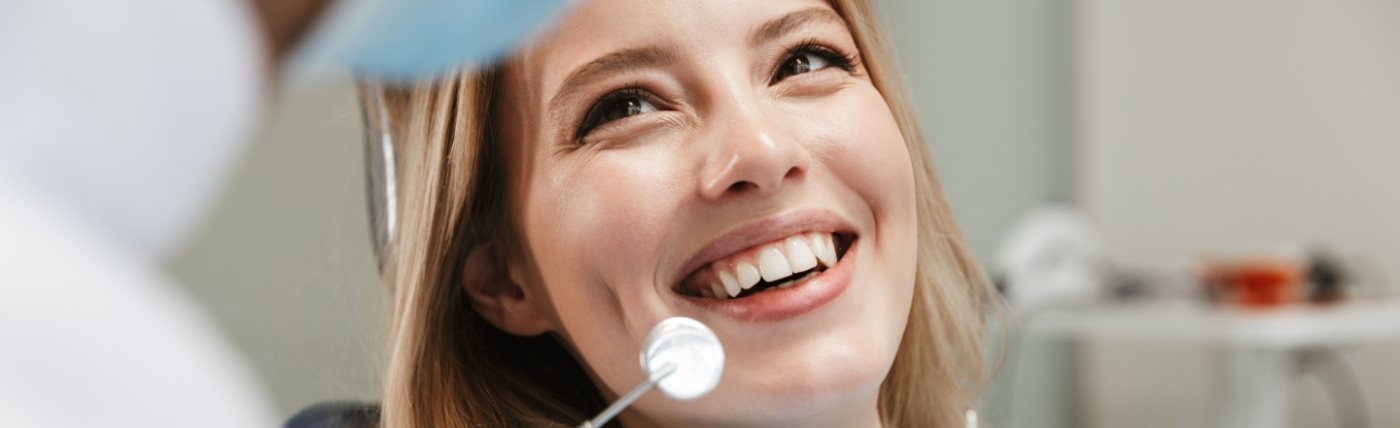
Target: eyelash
{"points": [[835, 57], [595, 116]]}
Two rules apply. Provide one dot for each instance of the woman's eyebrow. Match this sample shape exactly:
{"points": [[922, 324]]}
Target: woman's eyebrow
{"points": [[787, 23], [653, 56], [616, 61]]}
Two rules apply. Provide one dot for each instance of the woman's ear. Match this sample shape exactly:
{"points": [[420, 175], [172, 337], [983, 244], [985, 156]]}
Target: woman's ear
{"points": [[498, 295]]}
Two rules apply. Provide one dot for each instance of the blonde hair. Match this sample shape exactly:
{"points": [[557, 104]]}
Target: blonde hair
{"points": [[447, 367]]}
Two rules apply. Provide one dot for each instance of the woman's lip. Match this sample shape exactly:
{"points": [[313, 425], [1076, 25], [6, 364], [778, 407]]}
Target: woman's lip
{"points": [[761, 232], [782, 303]]}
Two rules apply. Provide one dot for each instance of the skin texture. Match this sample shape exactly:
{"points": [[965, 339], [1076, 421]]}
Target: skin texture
{"points": [[607, 221]]}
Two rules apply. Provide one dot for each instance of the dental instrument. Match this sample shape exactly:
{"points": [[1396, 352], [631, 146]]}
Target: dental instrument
{"points": [[681, 357]]}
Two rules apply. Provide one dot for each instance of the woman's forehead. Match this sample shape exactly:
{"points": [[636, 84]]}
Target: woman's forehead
{"points": [[595, 30]]}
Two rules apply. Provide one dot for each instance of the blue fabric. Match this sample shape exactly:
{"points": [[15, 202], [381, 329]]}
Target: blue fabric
{"points": [[422, 37]]}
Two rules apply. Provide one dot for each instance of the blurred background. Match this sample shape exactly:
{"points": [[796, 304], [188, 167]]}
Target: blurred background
{"points": [[1146, 148]]}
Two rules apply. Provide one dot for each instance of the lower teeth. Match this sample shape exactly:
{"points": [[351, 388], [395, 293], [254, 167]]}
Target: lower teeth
{"points": [[785, 284], [798, 281]]}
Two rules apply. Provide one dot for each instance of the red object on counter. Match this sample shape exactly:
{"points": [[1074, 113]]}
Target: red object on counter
{"points": [[1257, 283]]}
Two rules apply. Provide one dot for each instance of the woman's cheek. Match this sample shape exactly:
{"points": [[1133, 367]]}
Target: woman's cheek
{"points": [[594, 236], [599, 227], [862, 145]]}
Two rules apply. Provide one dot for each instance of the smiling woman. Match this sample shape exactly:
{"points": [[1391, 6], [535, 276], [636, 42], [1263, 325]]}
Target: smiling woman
{"points": [[752, 165]]}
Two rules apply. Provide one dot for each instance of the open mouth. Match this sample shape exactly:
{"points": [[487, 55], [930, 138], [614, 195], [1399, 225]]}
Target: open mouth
{"points": [[780, 264]]}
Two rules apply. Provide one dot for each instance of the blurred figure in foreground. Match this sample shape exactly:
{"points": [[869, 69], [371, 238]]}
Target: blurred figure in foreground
{"points": [[118, 122]]}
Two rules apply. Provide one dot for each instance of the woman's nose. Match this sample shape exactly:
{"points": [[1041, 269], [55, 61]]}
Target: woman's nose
{"points": [[751, 155]]}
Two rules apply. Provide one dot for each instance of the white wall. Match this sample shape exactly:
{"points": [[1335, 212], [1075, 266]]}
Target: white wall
{"points": [[990, 80], [284, 261], [1214, 125]]}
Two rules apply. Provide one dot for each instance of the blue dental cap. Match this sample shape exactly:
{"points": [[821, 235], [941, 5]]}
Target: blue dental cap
{"points": [[408, 39]]}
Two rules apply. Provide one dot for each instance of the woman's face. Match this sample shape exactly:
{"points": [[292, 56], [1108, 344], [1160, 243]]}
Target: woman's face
{"points": [[668, 154]]}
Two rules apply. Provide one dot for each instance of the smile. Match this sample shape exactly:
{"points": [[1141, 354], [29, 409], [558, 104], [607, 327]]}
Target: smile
{"points": [[783, 263], [773, 269]]}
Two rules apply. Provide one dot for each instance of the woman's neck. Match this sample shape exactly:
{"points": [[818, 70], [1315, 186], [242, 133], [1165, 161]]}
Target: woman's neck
{"points": [[865, 417]]}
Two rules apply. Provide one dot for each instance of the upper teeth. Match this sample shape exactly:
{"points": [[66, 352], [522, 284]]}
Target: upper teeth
{"points": [[770, 262]]}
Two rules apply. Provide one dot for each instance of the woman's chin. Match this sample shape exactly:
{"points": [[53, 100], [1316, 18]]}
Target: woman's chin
{"points": [[792, 387], [828, 363]]}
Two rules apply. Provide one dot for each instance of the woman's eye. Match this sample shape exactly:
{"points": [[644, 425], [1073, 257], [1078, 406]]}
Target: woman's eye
{"points": [[624, 108], [616, 106], [807, 59], [803, 63]]}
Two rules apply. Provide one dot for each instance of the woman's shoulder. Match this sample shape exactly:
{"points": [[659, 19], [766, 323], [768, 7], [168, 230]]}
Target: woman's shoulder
{"points": [[337, 415]]}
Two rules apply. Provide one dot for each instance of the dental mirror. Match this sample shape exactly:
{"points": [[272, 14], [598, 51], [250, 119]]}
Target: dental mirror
{"points": [[681, 357]]}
